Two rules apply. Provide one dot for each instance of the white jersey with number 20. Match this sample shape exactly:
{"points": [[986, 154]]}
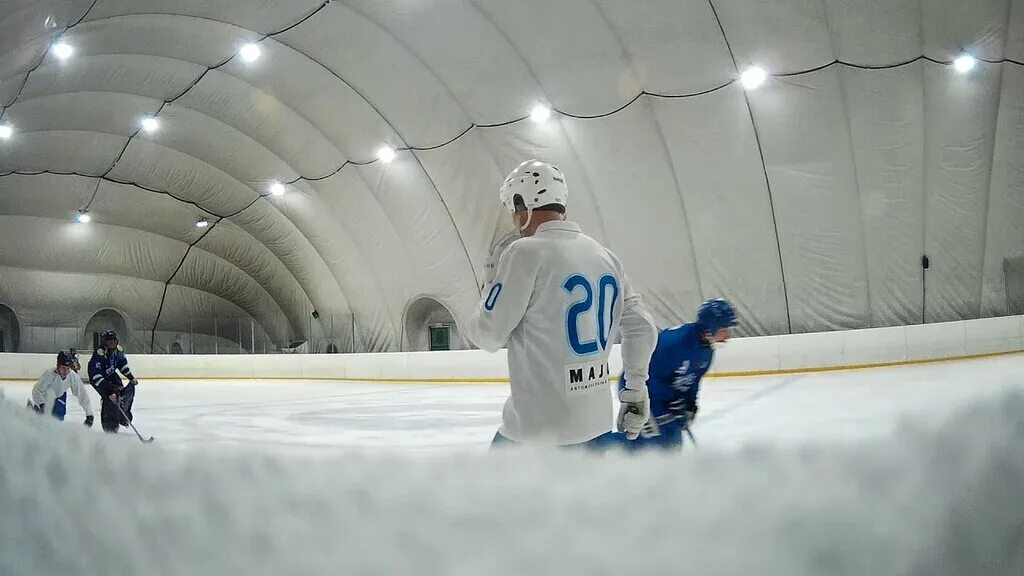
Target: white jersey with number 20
{"points": [[557, 301]]}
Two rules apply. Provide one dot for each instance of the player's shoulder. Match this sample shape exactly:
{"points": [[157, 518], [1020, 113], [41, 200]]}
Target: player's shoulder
{"points": [[539, 247], [530, 247], [579, 241], [601, 249]]}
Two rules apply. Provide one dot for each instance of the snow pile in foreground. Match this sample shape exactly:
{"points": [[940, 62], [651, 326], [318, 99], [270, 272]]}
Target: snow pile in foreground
{"points": [[936, 499]]}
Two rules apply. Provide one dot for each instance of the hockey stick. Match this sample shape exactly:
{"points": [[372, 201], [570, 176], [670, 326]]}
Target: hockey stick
{"points": [[121, 410], [690, 434], [144, 441]]}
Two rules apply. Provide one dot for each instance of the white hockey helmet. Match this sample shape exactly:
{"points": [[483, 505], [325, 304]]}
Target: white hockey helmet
{"points": [[537, 184]]}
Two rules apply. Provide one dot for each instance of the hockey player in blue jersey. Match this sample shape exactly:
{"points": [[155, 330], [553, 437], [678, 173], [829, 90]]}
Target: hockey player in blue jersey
{"points": [[116, 398], [681, 358]]}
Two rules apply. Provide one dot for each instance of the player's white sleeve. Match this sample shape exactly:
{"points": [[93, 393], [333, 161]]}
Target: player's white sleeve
{"points": [[639, 337], [80, 392], [39, 390], [505, 300]]}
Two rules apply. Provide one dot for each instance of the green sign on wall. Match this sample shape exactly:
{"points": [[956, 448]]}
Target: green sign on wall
{"points": [[440, 338]]}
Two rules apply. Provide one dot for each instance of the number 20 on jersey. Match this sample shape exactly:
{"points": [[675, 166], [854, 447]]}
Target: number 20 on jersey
{"points": [[582, 310]]}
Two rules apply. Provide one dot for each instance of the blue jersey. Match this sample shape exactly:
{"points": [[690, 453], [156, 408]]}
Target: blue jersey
{"points": [[103, 368], [677, 365]]}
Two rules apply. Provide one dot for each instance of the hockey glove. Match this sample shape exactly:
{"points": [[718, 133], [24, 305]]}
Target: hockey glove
{"points": [[691, 413], [634, 411], [88, 420], [683, 410]]}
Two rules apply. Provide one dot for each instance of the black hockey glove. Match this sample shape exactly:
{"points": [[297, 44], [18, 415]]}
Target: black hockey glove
{"points": [[88, 420], [691, 413]]}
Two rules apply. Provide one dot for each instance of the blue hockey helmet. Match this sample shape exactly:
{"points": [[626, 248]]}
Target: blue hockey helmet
{"points": [[716, 314]]}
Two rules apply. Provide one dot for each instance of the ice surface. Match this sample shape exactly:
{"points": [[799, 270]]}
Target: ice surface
{"points": [[317, 416], [916, 471]]}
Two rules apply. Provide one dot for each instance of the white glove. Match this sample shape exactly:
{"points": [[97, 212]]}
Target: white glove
{"points": [[634, 411]]}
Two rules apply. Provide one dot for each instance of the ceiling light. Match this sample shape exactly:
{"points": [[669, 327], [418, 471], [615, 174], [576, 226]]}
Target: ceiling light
{"points": [[753, 77], [250, 52], [277, 189], [84, 217], [202, 223], [964, 63], [150, 124], [6, 130], [540, 113], [386, 154], [63, 50]]}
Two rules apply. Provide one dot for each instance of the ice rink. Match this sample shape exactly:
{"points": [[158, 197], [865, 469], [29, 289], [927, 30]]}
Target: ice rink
{"points": [[322, 415], [905, 470]]}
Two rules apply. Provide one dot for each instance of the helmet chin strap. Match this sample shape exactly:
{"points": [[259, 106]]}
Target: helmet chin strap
{"points": [[529, 217]]}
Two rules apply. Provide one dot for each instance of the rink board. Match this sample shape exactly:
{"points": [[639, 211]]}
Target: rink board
{"points": [[763, 355]]}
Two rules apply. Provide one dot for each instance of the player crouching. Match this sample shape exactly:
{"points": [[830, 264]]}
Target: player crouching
{"points": [[52, 389], [681, 358]]}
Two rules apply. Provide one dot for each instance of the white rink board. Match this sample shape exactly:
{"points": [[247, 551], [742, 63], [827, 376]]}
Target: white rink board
{"points": [[994, 334], [876, 345], [740, 355]]}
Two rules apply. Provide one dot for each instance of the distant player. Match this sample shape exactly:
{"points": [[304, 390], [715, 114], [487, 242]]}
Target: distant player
{"points": [[104, 366], [52, 389], [60, 405], [681, 358], [557, 300]]}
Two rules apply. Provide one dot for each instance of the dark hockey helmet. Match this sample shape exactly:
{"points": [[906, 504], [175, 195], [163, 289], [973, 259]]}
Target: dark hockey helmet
{"points": [[65, 358], [108, 336], [716, 314]]}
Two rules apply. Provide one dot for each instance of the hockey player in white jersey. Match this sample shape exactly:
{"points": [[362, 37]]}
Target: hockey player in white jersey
{"points": [[54, 384], [557, 301]]}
